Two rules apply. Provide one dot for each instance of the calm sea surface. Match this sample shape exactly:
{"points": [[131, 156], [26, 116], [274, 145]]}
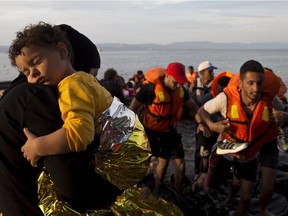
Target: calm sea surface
{"points": [[128, 62]]}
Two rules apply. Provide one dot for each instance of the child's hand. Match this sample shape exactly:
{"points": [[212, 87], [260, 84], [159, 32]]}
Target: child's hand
{"points": [[29, 149]]}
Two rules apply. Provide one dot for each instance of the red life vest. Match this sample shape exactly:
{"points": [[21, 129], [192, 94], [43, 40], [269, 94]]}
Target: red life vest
{"points": [[165, 111]]}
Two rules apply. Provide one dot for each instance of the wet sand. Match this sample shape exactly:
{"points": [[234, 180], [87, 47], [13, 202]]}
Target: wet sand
{"points": [[187, 130], [201, 205]]}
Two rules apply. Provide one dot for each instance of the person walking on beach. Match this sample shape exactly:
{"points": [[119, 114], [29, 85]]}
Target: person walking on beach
{"points": [[206, 143], [201, 87], [246, 105], [163, 98], [191, 76]]}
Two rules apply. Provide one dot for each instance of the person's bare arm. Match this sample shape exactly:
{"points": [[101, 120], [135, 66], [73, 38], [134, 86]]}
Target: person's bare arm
{"points": [[218, 127], [193, 110], [193, 107], [135, 105]]}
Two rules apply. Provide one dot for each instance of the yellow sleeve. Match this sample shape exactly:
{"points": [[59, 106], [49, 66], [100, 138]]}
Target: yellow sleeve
{"points": [[81, 100]]}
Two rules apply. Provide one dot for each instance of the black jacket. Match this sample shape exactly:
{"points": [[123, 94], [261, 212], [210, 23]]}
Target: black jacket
{"points": [[23, 105], [36, 107]]}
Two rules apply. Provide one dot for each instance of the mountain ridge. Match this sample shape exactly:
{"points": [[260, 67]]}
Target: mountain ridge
{"points": [[188, 45], [192, 45]]}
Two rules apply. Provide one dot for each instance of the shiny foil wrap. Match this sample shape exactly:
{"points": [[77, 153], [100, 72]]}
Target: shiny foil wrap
{"points": [[129, 162], [124, 152], [129, 203], [117, 125], [123, 158], [50, 203]]}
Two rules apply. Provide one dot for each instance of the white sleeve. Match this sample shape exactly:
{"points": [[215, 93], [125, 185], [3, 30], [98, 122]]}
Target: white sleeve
{"points": [[217, 105]]}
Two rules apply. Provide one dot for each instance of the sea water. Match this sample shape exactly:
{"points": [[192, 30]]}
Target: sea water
{"points": [[129, 62]]}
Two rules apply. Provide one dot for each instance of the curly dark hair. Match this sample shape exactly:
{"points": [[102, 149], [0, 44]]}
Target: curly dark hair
{"points": [[41, 34]]}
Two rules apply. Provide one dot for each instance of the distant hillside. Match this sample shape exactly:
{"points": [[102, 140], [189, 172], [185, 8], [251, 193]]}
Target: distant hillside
{"points": [[183, 45], [191, 45]]}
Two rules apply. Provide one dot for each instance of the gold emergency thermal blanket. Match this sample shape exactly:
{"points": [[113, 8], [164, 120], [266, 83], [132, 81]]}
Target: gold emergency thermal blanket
{"points": [[128, 203], [51, 204], [123, 157]]}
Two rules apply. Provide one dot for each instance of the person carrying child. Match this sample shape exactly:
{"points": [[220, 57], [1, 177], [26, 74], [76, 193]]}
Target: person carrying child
{"points": [[43, 54]]}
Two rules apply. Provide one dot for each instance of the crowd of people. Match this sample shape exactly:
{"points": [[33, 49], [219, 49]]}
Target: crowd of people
{"points": [[103, 145]]}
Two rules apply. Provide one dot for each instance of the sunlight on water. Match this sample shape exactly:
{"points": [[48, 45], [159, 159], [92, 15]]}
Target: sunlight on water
{"points": [[128, 62]]}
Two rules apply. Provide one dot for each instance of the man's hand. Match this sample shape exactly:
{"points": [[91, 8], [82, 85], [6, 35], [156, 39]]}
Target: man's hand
{"points": [[29, 149], [206, 131], [220, 126]]}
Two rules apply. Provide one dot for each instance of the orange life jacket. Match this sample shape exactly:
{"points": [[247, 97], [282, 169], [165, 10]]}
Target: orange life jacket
{"points": [[282, 88], [165, 111], [191, 77], [215, 81], [258, 130]]}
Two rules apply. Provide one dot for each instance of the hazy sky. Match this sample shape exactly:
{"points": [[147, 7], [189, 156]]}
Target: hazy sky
{"points": [[152, 21]]}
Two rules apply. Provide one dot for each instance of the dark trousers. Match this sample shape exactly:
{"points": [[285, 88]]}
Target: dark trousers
{"points": [[199, 138], [207, 143]]}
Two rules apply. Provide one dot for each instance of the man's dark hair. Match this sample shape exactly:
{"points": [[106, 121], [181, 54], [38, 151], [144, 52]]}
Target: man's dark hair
{"points": [[140, 72], [251, 66], [223, 81], [110, 74], [191, 68]]}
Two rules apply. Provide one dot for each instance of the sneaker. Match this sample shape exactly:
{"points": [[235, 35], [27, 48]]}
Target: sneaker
{"points": [[226, 147], [282, 141]]}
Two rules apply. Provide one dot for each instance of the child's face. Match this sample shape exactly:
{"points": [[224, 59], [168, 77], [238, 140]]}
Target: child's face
{"points": [[44, 65]]}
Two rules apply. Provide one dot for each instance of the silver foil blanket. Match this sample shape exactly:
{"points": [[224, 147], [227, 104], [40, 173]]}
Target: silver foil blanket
{"points": [[117, 122]]}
